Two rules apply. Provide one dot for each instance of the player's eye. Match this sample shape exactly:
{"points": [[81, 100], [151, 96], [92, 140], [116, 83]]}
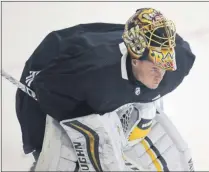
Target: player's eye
{"points": [[154, 68]]}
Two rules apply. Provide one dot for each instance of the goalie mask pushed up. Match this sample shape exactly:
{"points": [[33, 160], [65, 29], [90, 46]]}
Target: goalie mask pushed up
{"points": [[149, 29]]}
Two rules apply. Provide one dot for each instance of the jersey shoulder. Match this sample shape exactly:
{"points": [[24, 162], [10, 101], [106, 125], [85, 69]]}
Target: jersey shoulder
{"points": [[78, 39]]}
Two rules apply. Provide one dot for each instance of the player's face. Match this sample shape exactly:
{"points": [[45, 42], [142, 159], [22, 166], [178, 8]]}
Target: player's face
{"points": [[148, 73]]}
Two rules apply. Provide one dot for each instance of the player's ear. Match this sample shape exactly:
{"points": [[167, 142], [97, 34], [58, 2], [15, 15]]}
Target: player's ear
{"points": [[134, 62]]}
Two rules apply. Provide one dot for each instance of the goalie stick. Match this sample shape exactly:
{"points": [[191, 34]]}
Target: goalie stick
{"points": [[21, 86]]}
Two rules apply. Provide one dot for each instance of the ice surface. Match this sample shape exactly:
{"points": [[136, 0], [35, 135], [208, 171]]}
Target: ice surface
{"points": [[26, 24]]}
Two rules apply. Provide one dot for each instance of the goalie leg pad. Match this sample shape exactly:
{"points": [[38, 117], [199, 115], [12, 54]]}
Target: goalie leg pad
{"points": [[98, 141], [163, 149], [57, 153]]}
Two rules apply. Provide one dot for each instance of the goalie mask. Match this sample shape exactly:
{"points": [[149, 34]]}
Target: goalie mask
{"points": [[149, 30]]}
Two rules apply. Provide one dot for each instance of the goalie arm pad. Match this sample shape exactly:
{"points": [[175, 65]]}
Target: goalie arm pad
{"points": [[163, 149]]}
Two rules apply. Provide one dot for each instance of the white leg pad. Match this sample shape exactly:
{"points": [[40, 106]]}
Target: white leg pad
{"points": [[98, 141], [57, 152]]}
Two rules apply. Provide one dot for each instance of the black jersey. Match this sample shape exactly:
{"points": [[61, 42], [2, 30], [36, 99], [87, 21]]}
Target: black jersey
{"points": [[86, 69]]}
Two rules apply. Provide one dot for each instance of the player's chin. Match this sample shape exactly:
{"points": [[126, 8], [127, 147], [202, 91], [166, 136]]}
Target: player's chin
{"points": [[153, 85]]}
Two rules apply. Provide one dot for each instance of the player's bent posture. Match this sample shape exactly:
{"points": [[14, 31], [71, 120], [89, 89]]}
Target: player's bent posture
{"points": [[86, 76]]}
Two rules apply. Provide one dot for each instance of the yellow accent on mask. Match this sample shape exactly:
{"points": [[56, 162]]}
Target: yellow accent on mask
{"points": [[146, 28], [164, 58]]}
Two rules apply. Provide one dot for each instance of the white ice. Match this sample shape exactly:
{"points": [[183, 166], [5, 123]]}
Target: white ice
{"points": [[25, 24]]}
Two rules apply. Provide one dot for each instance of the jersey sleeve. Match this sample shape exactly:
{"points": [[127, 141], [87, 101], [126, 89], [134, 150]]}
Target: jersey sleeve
{"points": [[28, 111], [183, 50], [60, 91]]}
